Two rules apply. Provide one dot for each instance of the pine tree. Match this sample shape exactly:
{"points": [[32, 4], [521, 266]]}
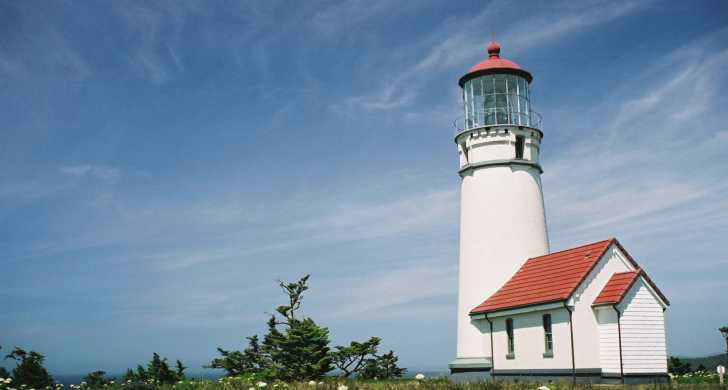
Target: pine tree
{"points": [[351, 359], [180, 370], [382, 367], [129, 376], [29, 370], [235, 363], [293, 349], [96, 379], [3, 372], [301, 350]]}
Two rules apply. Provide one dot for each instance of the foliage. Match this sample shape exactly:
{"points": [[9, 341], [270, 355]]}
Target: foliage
{"points": [[236, 363], [349, 359], [157, 371], [29, 370], [3, 372], [293, 349], [697, 377], [96, 379], [248, 381], [710, 362], [677, 367], [382, 367]]}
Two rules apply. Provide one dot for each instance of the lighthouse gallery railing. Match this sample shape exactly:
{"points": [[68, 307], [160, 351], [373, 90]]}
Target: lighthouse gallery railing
{"points": [[497, 117]]}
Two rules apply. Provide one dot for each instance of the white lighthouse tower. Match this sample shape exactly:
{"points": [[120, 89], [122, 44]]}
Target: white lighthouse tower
{"points": [[502, 221]]}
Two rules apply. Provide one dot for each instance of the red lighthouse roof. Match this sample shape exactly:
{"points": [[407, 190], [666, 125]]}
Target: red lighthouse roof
{"points": [[495, 64]]}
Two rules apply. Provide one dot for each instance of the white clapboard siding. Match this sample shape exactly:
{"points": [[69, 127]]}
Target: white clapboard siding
{"points": [[608, 340], [643, 331]]}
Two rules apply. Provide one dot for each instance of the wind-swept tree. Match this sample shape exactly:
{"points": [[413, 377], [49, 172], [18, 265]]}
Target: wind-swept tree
{"points": [[382, 367], [295, 347], [96, 379], [677, 366], [157, 370], [29, 370], [236, 363], [350, 359], [3, 372]]}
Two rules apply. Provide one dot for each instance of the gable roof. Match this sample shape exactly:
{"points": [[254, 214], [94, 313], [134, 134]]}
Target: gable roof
{"points": [[616, 288], [553, 278], [619, 285], [549, 278]]}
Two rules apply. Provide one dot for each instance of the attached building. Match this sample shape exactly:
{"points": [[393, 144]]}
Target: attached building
{"points": [[588, 314]]}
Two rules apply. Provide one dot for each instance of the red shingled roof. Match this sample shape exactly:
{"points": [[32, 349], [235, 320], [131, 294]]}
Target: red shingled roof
{"points": [[494, 63], [616, 288], [550, 278], [555, 277]]}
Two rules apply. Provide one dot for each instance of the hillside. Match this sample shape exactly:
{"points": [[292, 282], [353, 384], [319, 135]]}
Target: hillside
{"points": [[710, 362]]}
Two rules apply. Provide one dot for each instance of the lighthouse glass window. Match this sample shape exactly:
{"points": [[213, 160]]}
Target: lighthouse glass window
{"points": [[496, 100]]}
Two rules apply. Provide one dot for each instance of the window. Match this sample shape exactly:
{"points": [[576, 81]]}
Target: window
{"points": [[520, 140], [548, 336], [511, 343]]}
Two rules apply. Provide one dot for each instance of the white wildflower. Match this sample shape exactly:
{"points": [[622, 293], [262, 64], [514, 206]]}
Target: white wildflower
{"points": [[312, 383], [261, 384], [342, 387], [543, 388], [420, 376], [321, 383], [251, 388]]}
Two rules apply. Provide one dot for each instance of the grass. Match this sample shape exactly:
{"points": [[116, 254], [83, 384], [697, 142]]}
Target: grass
{"points": [[689, 383]]}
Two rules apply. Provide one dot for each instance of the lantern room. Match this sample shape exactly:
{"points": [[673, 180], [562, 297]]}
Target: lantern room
{"points": [[496, 92]]}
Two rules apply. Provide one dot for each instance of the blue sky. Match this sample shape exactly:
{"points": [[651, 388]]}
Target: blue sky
{"points": [[162, 164]]}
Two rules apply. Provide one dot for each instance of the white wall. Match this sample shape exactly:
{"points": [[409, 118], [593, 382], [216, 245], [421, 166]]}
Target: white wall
{"points": [[643, 331], [529, 342], [586, 327], [502, 224], [495, 144], [608, 339]]}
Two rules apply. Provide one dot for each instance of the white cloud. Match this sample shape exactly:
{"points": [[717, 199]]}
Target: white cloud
{"points": [[91, 170], [661, 182], [397, 291]]}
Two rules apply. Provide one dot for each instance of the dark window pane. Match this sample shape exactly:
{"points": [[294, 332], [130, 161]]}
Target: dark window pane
{"points": [[488, 86], [500, 83]]}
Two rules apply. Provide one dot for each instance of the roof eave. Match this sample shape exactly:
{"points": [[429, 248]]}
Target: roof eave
{"points": [[482, 72], [473, 313]]}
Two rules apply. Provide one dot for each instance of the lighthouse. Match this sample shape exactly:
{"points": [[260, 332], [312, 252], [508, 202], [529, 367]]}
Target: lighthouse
{"points": [[502, 220], [586, 314]]}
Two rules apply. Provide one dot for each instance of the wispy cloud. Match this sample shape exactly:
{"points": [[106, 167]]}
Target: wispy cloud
{"points": [[463, 44], [342, 222], [393, 293], [611, 181], [91, 170]]}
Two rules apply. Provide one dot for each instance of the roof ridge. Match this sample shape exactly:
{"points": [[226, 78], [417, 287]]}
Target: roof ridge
{"points": [[576, 247]]}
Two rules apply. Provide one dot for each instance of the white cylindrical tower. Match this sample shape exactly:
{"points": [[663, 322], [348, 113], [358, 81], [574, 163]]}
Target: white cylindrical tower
{"points": [[502, 221]]}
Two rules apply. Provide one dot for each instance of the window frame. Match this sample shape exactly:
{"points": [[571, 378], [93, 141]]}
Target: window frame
{"points": [[511, 339], [520, 146], [548, 335]]}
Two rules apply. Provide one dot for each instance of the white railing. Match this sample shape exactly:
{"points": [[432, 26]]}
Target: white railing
{"points": [[497, 117]]}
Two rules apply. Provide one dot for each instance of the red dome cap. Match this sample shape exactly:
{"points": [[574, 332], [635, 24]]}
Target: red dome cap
{"points": [[495, 64]]}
